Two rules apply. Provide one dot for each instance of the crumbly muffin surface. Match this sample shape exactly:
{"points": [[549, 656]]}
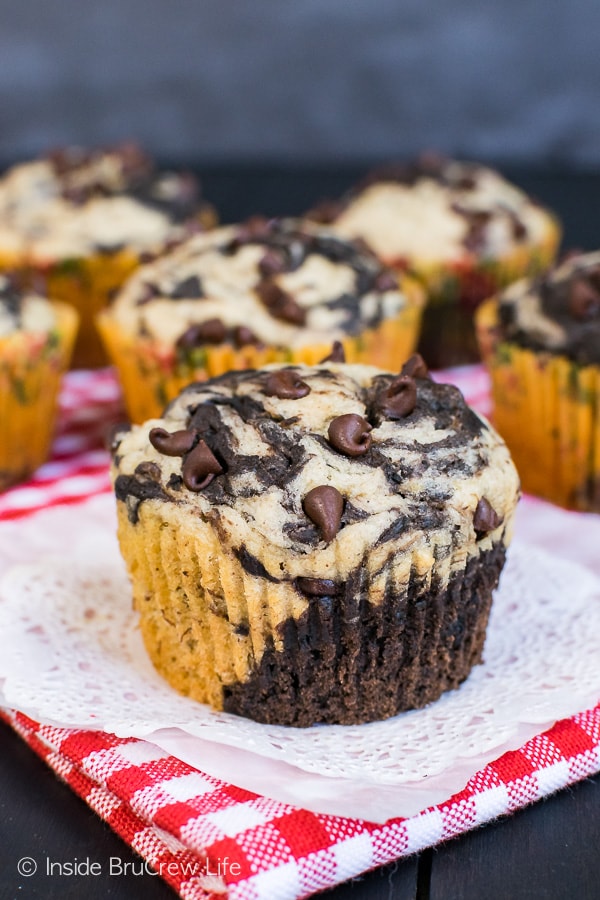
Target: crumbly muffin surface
{"points": [[279, 283], [314, 470], [75, 202], [437, 210], [558, 313]]}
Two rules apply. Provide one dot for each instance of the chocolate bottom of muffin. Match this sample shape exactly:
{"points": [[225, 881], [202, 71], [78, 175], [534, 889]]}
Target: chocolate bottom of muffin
{"points": [[347, 661]]}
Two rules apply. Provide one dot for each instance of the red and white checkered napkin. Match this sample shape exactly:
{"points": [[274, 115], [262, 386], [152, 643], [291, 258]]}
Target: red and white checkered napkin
{"points": [[208, 838]]}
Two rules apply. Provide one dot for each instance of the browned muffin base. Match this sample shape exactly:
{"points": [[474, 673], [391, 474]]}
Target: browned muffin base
{"points": [[347, 661]]}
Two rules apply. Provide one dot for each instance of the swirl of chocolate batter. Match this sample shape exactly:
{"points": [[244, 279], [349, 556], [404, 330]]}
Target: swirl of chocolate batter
{"points": [[280, 444], [558, 313], [293, 282]]}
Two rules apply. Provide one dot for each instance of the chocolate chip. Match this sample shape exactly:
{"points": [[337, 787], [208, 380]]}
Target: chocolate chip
{"points": [[584, 300], [386, 281], [270, 293], [350, 434], [326, 212], [174, 482], [148, 471], [318, 587], [285, 384], [518, 227], [243, 336], [400, 398], [280, 304], [324, 506], [415, 367], [210, 332], [485, 517], [272, 263], [65, 159], [465, 183], [200, 467], [337, 355], [134, 162], [188, 289], [254, 229], [477, 221], [176, 443]]}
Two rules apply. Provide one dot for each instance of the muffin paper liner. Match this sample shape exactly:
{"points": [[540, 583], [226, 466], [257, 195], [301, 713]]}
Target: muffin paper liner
{"points": [[31, 367], [87, 284], [260, 648], [547, 408], [152, 375], [454, 292]]}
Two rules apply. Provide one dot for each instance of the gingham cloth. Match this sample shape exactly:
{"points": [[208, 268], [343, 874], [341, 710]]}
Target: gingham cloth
{"points": [[211, 839]]}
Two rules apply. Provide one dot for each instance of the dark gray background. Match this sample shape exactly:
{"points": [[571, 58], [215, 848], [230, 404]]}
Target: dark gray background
{"points": [[304, 80]]}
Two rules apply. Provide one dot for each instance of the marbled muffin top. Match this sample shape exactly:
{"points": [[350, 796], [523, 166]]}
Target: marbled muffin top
{"points": [[308, 471], [280, 282], [558, 313], [437, 211], [75, 202], [23, 311]]}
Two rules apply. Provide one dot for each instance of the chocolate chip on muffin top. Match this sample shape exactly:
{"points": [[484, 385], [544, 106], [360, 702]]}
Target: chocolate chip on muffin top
{"points": [[280, 283], [300, 466], [559, 312], [74, 202], [438, 210]]}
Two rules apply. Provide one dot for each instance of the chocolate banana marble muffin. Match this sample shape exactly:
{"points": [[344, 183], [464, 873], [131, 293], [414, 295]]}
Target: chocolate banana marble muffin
{"points": [[246, 295], [460, 227], [79, 221], [36, 342], [540, 339], [315, 544]]}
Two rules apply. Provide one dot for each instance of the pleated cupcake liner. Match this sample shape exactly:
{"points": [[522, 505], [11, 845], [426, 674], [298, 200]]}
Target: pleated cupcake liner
{"points": [[31, 368], [547, 409], [262, 648]]}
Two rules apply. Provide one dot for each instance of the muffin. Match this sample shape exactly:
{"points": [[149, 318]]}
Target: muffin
{"points": [[540, 339], [36, 341], [77, 223], [315, 543], [245, 295], [460, 227]]}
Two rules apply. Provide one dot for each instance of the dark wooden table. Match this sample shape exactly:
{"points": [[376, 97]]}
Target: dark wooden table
{"points": [[549, 851]]}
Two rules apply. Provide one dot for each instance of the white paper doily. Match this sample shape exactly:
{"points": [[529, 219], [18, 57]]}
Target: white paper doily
{"points": [[71, 655]]}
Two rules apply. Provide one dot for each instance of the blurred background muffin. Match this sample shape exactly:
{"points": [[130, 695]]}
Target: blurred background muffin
{"points": [[541, 342], [460, 227], [36, 341], [245, 295], [76, 222]]}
